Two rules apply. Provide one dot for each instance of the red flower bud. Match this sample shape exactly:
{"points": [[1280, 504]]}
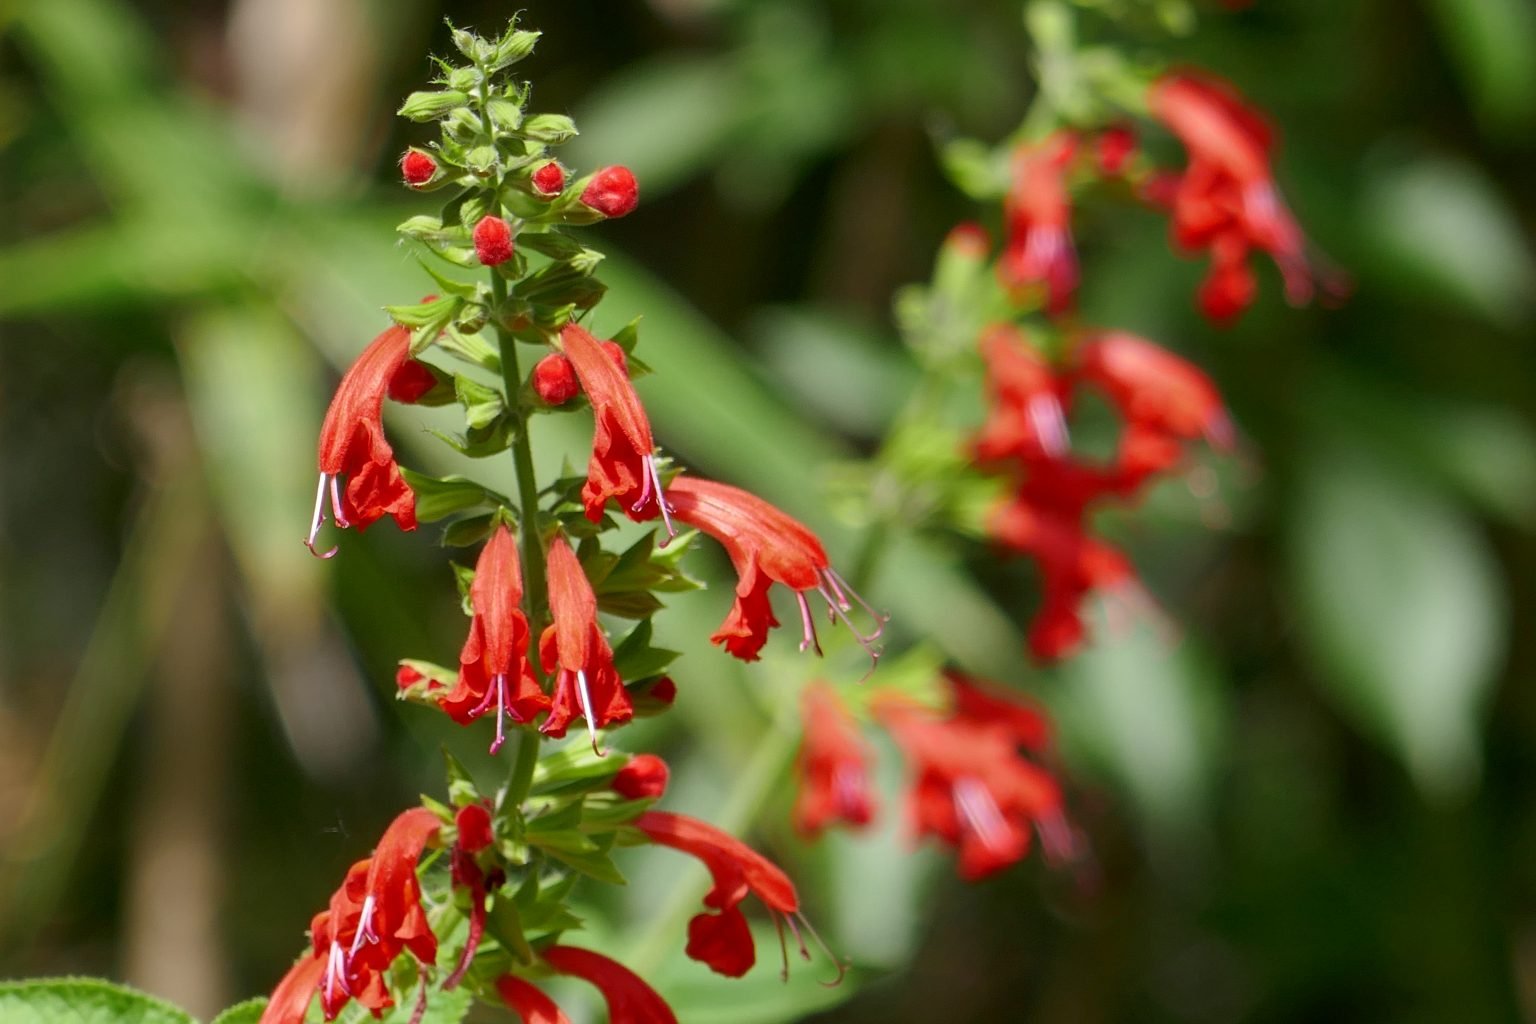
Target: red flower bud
{"points": [[665, 690], [612, 192], [416, 167], [1113, 149], [644, 778], [616, 353], [548, 180], [474, 824], [413, 380], [554, 379], [493, 240]]}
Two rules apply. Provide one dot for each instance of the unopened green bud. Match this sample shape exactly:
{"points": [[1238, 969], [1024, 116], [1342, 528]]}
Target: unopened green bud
{"points": [[465, 42], [481, 161], [511, 48], [505, 114], [428, 106], [463, 126], [550, 128], [464, 79]]}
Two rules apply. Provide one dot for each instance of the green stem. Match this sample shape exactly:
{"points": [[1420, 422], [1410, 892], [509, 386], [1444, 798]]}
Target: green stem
{"points": [[534, 590]]}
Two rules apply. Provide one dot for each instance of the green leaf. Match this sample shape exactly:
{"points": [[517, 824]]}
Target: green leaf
{"points": [[461, 289], [248, 1012], [462, 533], [440, 497], [1399, 600], [635, 658], [83, 1001], [426, 319], [1491, 42], [557, 245], [596, 865], [552, 129], [1443, 230]]}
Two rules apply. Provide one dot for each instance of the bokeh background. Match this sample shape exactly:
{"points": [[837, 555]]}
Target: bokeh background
{"points": [[1313, 801]]}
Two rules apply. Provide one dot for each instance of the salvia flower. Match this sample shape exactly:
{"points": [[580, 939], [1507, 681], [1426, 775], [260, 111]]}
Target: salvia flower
{"points": [[1025, 420], [766, 546], [529, 1002], [612, 192], [623, 463], [1154, 388], [1226, 200], [375, 916], [417, 167], [833, 766], [574, 651], [1037, 249], [352, 444], [494, 672], [720, 936], [972, 789], [493, 240]]}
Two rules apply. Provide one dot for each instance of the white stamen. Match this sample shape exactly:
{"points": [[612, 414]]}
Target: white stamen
{"points": [[584, 697], [364, 927], [809, 638], [974, 803], [336, 513], [317, 520]]}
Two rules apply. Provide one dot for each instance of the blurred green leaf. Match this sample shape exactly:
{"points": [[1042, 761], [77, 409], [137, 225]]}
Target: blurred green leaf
{"points": [[248, 1012], [1399, 600], [761, 997], [1491, 43], [1146, 710], [1441, 226], [83, 1001], [665, 120]]}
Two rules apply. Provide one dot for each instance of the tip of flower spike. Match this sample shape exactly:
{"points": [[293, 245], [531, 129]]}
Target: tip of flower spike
{"points": [[613, 192]]}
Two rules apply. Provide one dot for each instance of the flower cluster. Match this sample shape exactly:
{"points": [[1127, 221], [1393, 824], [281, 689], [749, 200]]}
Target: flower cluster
{"points": [[978, 783], [542, 594]]}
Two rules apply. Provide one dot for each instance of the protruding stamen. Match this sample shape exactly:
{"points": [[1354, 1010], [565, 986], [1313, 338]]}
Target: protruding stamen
{"points": [[336, 512], [821, 944], [866, 642], [778, 926], [809, 638], [840, 585], [1045, 415], [317, 520], [651, 485], [584, 696], [365, 930], [497, 693], [974, 803], [336, 973]]}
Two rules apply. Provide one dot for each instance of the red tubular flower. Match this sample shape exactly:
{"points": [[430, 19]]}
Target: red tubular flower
{"points": [[987, 704], [972, 789], [373, 917], [416, 167], [766, 547], [1038, 213], [612, 192], [493, 666], [474, 824], [644, 778], [1226, 200], [1025, 420], [630, 1000], [290, 1000], [1153, 388], [532, 1005], [722, 939], [548, 180], [832, 767], [493, 240], [1113, 149], [574, 651], [352, 442], [623, 464]]}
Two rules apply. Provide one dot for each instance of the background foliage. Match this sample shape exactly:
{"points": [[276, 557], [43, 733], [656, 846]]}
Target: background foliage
{"points": [[1318, 805]]}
